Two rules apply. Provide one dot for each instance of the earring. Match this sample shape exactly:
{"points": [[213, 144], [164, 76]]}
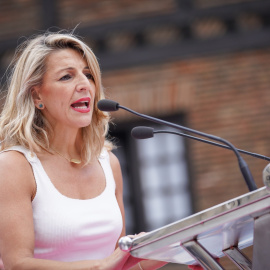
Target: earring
{"points": [[40, 105]]}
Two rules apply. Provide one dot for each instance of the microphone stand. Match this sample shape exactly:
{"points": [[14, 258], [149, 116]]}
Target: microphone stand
{"points": [[149, 133], [114, 106], [213, 143]]}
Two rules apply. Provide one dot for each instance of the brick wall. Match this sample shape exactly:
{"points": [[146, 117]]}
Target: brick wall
{"points": [[93, 12], [225, 95], [18, 18]]}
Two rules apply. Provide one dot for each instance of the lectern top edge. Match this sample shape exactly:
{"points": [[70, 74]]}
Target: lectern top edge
{"points": [[200, 217]]}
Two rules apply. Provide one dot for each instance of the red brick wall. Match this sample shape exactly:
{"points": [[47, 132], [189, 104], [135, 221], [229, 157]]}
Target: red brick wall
{"points": [[19, 18], [93, 12], [225, 95]]}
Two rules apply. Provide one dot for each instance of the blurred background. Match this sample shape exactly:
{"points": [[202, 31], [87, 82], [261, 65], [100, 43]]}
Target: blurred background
{"points": [[204, 64]]}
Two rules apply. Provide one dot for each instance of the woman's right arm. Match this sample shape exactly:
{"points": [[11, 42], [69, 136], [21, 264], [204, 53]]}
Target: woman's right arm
{"points": [[17, 188]]}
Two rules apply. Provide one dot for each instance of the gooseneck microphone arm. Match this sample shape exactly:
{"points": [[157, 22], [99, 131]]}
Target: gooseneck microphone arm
{"points": [[109, 105], [142, 132]]}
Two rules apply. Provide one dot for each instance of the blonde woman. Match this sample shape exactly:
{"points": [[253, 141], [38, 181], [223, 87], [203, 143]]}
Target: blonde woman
{"points": [[61, 189]]}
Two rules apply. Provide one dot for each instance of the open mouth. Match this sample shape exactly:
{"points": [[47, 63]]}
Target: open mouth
{"points": [[81, 105]]}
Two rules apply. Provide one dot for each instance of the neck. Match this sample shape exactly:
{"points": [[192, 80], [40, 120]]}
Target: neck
{"points": [[67, 144]]}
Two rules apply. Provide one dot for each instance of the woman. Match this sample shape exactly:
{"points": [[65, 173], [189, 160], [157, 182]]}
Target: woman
{"points": [[61, 189]]}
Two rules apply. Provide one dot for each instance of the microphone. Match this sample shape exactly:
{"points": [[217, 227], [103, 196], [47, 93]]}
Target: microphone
{"points": [[141, 133], [107, 105], [110, 105]]}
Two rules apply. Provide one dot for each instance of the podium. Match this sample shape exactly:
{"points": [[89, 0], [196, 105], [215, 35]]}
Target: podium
{"points": [[222, 230]]}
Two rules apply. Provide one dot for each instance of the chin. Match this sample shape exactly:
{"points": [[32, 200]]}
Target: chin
{"points": [[83, 121], [83, 124]]}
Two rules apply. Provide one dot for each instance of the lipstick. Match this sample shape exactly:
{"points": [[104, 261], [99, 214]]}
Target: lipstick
{"points": [[81, 105]]}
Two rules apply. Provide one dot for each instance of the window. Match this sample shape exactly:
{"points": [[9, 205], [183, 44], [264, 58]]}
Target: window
{"points": [[164, 180], [155, 175]]}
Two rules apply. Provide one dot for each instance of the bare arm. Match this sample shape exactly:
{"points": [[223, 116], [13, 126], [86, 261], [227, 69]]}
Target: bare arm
{"points": [[117, 173], [17, 187], [146, 264]]}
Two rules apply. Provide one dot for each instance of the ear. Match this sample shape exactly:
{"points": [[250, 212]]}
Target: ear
{"points": [[37, 98]]}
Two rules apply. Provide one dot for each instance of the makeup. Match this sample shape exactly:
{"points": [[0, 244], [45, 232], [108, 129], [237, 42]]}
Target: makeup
{"points": [[81, 105]]}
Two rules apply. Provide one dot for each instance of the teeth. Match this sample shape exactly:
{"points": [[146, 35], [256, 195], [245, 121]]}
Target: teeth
{"points": [[85, 105]]}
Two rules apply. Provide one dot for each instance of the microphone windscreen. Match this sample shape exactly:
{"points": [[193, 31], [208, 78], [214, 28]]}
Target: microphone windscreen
{"points": [[142, 132], [107, 105]]}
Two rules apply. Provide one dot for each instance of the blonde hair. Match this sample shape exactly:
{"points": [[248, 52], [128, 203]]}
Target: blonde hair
{"points": [[21, 123]]}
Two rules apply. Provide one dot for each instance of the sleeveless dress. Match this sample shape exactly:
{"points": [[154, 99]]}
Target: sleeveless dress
{"points": [[69, 229]]}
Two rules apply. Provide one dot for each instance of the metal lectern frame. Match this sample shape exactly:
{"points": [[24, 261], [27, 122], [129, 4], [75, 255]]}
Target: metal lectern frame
{"points": [[221, 230]]}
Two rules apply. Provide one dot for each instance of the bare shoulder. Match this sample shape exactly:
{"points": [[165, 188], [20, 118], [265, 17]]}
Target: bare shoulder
{"points": [[15, 171], [12, 154], [12, 160], [114, 161]]}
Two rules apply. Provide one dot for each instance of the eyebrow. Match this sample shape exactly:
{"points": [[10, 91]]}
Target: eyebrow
{"points": [[70, 68]]}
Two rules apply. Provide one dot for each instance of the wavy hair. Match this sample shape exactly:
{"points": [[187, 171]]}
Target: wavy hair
{"points": [[21, 123]]}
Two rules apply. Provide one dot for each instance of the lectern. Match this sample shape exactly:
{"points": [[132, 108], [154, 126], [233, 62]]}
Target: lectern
{"points": [[222, 230]]}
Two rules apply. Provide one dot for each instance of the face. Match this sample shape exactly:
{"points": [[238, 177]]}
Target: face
{"points": [[67, 91]]}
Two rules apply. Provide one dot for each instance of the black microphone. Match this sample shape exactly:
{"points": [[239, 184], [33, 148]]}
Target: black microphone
{"points": [[142, 132], [107, 105], [110, 105]]}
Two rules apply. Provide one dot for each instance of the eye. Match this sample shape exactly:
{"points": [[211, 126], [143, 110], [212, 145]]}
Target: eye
{"points": [[89, 76], [65, 78]]}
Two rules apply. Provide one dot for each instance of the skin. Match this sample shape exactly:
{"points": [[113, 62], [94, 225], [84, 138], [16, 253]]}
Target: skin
{"points": [[66, 80]]}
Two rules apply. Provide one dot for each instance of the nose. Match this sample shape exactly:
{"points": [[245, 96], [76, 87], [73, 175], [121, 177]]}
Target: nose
{"points": [[83, 83]]}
